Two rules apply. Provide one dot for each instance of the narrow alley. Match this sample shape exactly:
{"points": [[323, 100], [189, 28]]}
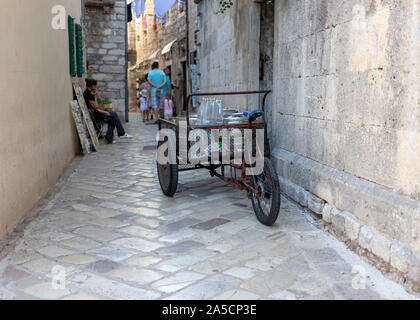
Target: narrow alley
{"points": [[109, 233]]}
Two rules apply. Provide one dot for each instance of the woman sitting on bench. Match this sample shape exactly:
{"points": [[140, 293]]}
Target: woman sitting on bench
{"points": [[91, 98]]}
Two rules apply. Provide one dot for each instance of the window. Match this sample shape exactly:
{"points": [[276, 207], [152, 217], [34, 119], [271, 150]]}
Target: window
{"points": [[79, 51], [71, 46]]}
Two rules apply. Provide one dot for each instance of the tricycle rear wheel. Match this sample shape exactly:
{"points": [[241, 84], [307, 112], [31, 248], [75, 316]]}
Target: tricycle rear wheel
{"points": [[266, 203]]}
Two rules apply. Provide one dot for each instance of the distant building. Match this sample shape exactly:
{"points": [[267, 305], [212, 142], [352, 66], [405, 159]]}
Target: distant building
{"points": [[167, 44]]}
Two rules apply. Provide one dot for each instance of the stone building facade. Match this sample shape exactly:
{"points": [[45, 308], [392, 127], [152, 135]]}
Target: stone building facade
{"points": [[150, 44], [229, 52], [345, 117], [106, 35]]}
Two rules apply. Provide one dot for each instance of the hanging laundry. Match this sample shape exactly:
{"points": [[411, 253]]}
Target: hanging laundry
{"points": [[154, 23], [181, 4], [144, 21], [163, 6], [129, 13], [139, 7]]}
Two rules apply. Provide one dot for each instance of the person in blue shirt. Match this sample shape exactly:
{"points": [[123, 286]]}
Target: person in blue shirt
{"points": [[157, 80]]}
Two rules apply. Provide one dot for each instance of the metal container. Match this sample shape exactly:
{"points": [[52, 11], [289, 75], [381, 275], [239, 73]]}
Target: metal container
{"points": [[193, 119], [229, 112]]}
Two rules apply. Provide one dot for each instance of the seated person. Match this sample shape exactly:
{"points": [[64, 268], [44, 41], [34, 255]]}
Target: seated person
{"points": [[91, 98]]}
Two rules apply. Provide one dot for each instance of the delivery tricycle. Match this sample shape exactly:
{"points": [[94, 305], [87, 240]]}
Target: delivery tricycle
{"points": [[262, 188]]}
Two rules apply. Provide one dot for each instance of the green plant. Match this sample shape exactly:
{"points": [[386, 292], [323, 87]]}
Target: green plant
{"points": [[104, 100], [89, 74], [224, 5]]}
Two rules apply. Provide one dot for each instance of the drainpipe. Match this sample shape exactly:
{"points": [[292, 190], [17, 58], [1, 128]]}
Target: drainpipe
{"points": [[126, 63]]}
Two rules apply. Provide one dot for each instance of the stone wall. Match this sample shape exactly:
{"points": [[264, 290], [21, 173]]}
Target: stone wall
{"points": [[347, 121], [105, 30], [344, 125], [193, 24], [229, 54]]}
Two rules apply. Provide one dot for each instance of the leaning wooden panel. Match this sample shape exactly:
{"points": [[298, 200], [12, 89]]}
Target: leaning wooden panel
{"points": [[86, 116], [81, 126]]}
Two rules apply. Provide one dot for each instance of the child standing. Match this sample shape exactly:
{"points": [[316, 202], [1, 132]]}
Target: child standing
{"points": [[148, 99], [168, 106], [144, 94]]}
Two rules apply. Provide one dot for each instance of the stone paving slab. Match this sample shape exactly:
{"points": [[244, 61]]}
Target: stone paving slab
{"points": [[112, 234], [116, 254]]}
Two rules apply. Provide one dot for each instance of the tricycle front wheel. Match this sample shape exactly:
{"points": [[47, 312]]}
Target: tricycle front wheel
{"points": [[266, 202]]}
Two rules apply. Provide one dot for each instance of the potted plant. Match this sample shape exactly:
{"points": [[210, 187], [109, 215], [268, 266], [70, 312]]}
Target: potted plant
{"points": [[106, 103]]}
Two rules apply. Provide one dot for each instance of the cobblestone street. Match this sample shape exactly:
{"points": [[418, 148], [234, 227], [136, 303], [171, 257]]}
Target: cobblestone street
{"points": [[118, 237]]}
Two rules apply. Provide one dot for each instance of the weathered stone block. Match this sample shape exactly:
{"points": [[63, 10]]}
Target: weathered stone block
{"points": [[352, 227], [116, 39], [315, 204], [414, 268], [94, 67], [116, 84], [119, 11], [109, 45], [103, 77], [326, 213], [381, 247], [289, 188], [112, 69], [302, 196], [338, 219], [110, 58], [116, 52], [400, 257], [116, 24], [365, 236]]}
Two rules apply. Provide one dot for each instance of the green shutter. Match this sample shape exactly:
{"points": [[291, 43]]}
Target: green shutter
{"points": [[71, 46], [79, 51]]}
